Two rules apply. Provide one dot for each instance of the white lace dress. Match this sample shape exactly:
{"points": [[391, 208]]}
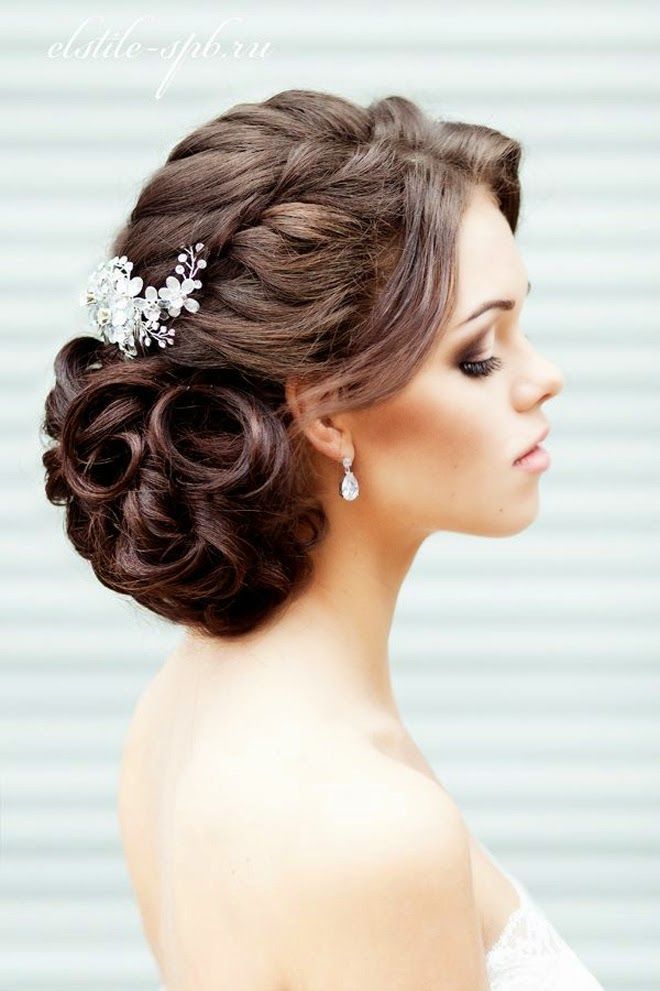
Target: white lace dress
{"points": [[530, 955]]}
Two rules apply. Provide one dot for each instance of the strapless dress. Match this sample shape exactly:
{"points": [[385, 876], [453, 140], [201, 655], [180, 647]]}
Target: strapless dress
{"points": [[530, 955]]}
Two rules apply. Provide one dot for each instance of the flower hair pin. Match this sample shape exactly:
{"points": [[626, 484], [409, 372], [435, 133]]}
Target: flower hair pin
{"points": [[119, 316]]}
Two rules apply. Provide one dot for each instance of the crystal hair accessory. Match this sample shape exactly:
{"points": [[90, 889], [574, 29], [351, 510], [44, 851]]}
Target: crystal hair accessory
{"points": [[119, 316]]}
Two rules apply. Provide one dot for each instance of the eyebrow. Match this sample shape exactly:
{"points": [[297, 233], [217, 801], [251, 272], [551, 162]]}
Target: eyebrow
{"points": [[492, 304]]}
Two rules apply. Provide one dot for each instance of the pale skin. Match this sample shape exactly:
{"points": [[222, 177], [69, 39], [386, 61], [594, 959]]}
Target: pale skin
{"points": [[314, 847]]}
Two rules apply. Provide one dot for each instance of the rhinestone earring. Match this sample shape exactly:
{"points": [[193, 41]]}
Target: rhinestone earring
{"points": [[349, 488]]}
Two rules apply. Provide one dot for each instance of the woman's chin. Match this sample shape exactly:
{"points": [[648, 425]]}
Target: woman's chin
{"points": [[508, 520]]}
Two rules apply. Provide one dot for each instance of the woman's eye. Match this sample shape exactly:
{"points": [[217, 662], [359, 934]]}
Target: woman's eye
{"points": [[477, 368]]}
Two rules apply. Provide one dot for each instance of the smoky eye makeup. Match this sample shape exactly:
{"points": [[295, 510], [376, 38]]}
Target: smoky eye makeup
{"points": [[469, 362], [474, 348]]}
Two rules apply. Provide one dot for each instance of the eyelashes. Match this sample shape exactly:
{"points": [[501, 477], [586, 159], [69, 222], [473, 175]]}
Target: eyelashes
{"points": [[475, 369], [478, 369]]}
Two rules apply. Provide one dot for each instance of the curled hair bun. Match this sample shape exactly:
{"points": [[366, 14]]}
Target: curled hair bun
{"points": [[179, 493], [330, 234]]}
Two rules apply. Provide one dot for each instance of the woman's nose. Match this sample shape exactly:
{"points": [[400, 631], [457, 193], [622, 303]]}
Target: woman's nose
{"points": [[541, 379], [553, 377]]}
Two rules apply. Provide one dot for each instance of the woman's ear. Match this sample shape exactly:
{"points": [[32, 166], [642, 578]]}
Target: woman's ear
{"points": [[329, 434]]}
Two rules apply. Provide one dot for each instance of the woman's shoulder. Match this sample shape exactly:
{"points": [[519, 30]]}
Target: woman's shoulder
{"points": [[218, 731], [307, 809], [378, 877], [323, 790], [315, 782], [248, 746]]}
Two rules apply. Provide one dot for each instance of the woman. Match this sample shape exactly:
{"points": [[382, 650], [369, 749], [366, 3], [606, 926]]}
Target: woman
{"points": [[340, 372]]}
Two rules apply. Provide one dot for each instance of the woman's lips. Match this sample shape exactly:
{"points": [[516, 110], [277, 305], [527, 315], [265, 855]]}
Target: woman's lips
{"points": [[539, 440], [537, 459]]}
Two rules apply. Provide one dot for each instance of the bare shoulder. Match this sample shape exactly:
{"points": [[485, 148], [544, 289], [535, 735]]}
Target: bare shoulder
{"points": [[382, 890]]}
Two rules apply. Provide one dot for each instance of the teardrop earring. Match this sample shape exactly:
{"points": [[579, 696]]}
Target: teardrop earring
{"points": [[349, 488]]}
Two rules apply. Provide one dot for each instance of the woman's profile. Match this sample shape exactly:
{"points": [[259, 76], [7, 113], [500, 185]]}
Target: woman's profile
{"points": [[344, 375]]}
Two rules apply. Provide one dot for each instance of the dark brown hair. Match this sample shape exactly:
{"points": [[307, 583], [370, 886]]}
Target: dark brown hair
{"points": [[330, 233]]}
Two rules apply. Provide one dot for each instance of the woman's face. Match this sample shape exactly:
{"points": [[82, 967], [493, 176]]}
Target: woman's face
{"points": [[439, 455]]}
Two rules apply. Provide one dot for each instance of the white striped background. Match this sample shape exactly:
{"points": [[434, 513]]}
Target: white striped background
{"points": [[528, 669]]}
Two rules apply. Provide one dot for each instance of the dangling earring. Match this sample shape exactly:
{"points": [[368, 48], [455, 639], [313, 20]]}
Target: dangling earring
{"points": [[349, 488]]}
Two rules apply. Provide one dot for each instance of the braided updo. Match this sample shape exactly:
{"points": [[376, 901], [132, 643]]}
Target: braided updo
{"points": [[330, 233]]}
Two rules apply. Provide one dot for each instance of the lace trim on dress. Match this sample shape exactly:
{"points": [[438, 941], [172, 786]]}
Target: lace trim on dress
{"points": [[530, 955], [504, 936]]}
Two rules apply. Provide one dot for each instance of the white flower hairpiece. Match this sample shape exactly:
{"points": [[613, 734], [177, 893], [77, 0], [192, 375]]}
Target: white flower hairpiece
{"points": [[119, 316]]}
